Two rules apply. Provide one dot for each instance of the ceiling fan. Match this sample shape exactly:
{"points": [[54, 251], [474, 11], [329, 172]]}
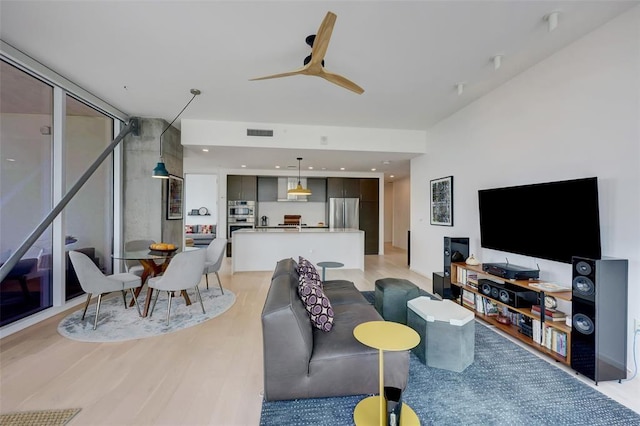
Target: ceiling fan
{"points": [[314, 63]]}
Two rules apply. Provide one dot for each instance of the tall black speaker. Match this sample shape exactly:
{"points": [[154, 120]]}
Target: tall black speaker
{"points": [[455, 250], [599, 317]]}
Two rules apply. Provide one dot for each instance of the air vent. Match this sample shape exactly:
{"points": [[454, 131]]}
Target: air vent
{"points": [[260, 132]]}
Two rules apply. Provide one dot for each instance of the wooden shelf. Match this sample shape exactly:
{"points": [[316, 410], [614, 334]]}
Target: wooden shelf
{"points": [[511, 329]]}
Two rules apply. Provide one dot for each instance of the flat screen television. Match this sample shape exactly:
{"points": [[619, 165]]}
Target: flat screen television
{"points": [[552, 220]]}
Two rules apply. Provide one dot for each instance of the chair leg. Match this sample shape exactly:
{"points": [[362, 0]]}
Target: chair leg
{"points": [[200, 299], [124, 297], [133, 294], [206, 277], [86, 305], [170, 293], [95, 322], [219, 282], [154, 301]]}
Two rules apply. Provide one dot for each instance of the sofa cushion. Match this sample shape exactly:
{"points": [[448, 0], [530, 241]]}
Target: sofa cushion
{"points": [[316, 303], [342, 292], [308, 270]]}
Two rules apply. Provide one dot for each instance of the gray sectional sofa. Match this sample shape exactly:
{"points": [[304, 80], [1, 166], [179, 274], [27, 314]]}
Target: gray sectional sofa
{"points": [[301, 361]]}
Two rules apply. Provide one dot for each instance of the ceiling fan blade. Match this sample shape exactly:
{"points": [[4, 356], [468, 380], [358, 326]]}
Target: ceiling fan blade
{"points": [[321, 42], [341, 81], [282, 74]]}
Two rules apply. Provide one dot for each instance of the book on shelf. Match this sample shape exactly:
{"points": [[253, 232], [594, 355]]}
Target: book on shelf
{"points": [[490, 307], [549, 315], [549, 337], [466, 277], [468, 299], [479, 304]]}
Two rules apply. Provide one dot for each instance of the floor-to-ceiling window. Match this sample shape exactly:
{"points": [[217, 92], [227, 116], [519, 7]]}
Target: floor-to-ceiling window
{"points": [[88, 217], [25, 190], [51, 132]]}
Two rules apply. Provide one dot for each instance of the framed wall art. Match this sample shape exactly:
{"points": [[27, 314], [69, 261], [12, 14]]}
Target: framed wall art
{"points": [[175, 193], [442, 201]]}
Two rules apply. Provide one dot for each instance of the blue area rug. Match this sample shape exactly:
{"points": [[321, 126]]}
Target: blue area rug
{"points": [[506, 385]]}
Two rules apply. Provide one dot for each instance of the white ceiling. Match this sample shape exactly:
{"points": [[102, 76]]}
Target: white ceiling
{"points": [[143, 57]]}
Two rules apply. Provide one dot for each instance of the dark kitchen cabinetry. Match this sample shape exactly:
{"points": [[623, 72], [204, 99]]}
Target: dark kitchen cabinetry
{"points": [[343, 187], [318, 187], [369, 189], [241, 187], [267, 188], [370, 224], [370, 214]]}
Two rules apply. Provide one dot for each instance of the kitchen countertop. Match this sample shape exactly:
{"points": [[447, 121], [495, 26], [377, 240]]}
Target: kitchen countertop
{"points": [[288, 226], [293, 229], [261, 249]]}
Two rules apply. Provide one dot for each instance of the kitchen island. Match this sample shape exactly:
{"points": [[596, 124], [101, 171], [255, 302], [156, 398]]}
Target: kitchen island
{"points": [[261, 249]]}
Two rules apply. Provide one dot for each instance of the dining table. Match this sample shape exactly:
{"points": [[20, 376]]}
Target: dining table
{"points": [[154, 263]]}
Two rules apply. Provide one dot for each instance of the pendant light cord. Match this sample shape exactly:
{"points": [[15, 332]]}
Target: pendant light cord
{"points": [[194, 92]]}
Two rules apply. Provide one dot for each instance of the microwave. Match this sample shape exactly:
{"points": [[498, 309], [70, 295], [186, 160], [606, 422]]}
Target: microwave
{"points": [[242, 208]]}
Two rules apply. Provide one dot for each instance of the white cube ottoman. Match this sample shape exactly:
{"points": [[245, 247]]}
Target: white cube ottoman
{"points": [[447, 333]]}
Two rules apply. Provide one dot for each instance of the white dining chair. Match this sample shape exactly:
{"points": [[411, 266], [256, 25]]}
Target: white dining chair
{"points": [[213, 262], [184, 271], [93, 281], [133, 266]]}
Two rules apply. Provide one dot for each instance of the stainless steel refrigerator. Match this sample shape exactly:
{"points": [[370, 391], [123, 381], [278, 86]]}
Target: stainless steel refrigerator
{"points": [[344, 213]]}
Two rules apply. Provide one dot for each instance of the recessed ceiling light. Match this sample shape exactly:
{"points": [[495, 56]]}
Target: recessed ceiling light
{"points": [[243, 166], [205, 150], [310, 167], [324, 168], [373, 170], [277, 167], [341, 168], [386, 162], [11, 160], [392, 176]]}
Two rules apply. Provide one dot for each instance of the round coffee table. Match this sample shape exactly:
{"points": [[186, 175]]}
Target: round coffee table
{"points": [[384, 336], [325, 265]]}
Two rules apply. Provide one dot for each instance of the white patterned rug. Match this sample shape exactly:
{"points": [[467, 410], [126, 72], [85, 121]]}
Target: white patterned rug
{"points": [[117, 324]]}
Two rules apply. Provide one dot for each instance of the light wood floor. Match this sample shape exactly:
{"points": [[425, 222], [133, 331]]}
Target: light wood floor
{"points": [[210, 374]]}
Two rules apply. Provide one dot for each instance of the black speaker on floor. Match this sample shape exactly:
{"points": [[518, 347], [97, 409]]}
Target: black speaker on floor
{"points": [[599, 318], [455, 250]]}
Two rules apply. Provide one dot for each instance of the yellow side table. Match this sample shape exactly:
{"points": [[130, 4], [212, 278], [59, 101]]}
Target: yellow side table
{"points": [[384, 336]]}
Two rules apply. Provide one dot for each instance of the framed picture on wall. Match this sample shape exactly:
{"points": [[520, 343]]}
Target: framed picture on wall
{"points": [[442, 201], [175, 194]]}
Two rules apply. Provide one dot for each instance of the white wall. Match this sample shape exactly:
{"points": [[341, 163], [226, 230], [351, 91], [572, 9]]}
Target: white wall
{"points": [[576, 114], [401, 212], [201, 190]]}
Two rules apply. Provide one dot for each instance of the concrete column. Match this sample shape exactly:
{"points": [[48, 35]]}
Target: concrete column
{"points": [[145, 198]]}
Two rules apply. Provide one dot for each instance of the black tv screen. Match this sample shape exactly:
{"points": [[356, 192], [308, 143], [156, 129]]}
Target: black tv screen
{"points": [[553, 220]]}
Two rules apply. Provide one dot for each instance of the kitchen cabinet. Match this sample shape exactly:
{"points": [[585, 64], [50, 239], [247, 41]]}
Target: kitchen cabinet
{"points": [[369, 189], [242, 187], [343, 187], [370, 224], [318, 187], [267, 188]]}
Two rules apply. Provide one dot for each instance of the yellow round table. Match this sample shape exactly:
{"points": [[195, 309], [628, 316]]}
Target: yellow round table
{"points": [[384, 336]]}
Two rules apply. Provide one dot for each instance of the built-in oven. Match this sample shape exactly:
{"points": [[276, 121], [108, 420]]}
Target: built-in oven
{"points": [[242, 209]]}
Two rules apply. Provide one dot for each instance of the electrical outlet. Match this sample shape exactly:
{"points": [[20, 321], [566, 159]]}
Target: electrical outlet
{"points": [[637, 325]]}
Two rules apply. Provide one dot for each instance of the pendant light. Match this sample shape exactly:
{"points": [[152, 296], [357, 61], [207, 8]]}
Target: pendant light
{"points": [[299, 190], [160, 170]]}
